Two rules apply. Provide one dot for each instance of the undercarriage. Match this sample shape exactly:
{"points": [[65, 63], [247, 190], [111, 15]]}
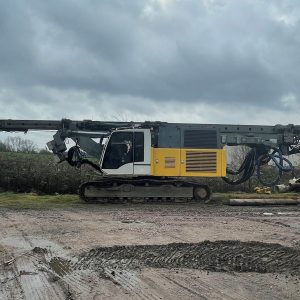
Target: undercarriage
{"points": [[143, 190]]}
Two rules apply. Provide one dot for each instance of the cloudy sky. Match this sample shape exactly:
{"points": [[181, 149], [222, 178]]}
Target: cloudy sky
{"points": [[209, 61]]}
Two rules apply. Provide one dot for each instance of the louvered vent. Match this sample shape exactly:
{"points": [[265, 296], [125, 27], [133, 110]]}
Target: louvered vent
{"points": [[169, 162], [205, 139], [201, 161]]}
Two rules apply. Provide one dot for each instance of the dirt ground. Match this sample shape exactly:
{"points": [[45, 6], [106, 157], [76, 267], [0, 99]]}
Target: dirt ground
{"points": [[136, 251]]}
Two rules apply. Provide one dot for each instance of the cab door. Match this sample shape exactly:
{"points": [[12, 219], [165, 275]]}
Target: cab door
{"points": [[118, 157], [128, 152]]}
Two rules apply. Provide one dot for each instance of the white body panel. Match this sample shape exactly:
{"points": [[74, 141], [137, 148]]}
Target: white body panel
{"points": [[142, 169], [126, 169]]}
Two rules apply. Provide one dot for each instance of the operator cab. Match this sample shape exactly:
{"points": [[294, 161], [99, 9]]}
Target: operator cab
{"points": [[127, 152]]}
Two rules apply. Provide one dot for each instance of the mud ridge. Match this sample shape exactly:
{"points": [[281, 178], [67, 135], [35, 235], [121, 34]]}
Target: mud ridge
{"points": [[223, 256]]}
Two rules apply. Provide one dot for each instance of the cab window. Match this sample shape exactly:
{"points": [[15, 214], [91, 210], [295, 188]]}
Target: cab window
{"points": [[124, 148], [119, 150], [138, 146]]}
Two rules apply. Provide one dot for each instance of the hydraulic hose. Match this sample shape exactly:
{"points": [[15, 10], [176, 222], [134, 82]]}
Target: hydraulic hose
{"points": [[278, 159], [247, 169], [255, 159]]}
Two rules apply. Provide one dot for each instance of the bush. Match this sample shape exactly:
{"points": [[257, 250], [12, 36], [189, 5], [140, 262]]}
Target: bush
{"points": [[24, 172]]}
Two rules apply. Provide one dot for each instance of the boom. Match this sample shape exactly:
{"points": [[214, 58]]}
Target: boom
{"points": [[284, 137], [230, 134]]}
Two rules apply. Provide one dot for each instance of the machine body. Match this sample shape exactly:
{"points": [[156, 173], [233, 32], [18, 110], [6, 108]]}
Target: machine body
{"points": [[159, 160]]}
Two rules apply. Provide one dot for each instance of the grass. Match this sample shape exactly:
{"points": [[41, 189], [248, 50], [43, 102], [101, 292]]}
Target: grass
{"points": [[32, 201], [17, 155]]}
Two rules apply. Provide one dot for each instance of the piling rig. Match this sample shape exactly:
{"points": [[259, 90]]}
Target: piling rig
{"points": [[159, 161]]}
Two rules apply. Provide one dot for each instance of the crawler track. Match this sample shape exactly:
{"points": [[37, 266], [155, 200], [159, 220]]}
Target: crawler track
{"points": [[142, 190]]}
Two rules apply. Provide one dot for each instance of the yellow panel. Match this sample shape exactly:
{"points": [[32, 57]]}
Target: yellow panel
{"points": [[203, 162], [188, 162], [224, 162], [165, 162]]}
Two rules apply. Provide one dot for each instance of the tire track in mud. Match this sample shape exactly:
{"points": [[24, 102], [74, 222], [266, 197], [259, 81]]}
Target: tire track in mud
{"points": [[10, 287], [223, 256], [33, 283], [185, 287], [132, 283], [79, 281]]}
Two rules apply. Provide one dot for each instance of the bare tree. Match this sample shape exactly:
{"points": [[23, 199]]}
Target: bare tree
{"points": [[17, 144]]}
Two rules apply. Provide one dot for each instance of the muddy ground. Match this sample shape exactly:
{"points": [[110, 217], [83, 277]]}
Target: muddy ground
{"points": [[174, 251]]}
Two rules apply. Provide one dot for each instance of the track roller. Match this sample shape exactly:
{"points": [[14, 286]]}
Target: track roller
{"points": [[202, 193]]}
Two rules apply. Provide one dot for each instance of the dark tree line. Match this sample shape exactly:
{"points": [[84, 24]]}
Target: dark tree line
{"points": [[35, 172], [26, 168]]}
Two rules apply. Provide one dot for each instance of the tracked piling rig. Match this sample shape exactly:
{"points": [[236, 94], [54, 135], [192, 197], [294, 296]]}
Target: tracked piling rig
{"points": [[159, 161]]}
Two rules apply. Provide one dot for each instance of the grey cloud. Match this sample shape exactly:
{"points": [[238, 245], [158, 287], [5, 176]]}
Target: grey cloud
{"points": [[211, 52]]}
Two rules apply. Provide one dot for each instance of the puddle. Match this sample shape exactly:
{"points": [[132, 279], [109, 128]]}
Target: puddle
{"points": [[39, 250], [60, 266], [23, 272]]}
